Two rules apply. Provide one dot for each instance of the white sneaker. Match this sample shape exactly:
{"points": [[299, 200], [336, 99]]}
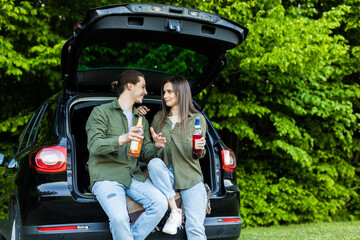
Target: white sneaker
{"points": [[173, 222]]}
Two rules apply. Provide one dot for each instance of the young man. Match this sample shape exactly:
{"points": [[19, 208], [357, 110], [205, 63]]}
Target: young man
{"points": [[113, 173]]}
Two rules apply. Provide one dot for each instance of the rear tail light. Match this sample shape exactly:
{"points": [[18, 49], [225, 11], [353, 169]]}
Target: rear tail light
{"points": [[48, 229], [63, 228], [228, 220], [49, 159], [228, 160], [77, 28]]}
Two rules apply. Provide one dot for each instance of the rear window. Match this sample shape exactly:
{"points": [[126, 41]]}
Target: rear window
{"points": [[143, 55]]}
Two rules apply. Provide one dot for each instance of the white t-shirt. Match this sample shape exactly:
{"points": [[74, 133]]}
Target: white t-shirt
{"points": [[129, 116]]}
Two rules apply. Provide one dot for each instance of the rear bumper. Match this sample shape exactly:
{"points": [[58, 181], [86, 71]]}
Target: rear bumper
{"points": [[215, 228], [94, 231]]}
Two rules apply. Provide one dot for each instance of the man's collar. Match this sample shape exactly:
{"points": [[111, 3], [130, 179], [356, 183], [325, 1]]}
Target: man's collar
{"points": [[115, 104], [135, 112]]}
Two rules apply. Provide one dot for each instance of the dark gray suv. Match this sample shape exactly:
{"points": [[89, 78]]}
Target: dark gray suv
{"points": [[51, 197]]}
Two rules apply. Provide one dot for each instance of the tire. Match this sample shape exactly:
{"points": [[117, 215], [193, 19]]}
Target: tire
{"points": [[14, 233]]}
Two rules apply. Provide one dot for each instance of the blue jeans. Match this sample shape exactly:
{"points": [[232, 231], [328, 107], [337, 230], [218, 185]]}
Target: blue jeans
{"points": [[194, 199], [111, 196]]}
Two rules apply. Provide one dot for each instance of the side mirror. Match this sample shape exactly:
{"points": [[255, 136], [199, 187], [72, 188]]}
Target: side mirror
{"points": [[1, 159]]}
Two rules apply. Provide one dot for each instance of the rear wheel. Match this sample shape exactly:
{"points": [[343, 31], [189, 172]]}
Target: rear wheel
{"points": [[15, 224]]}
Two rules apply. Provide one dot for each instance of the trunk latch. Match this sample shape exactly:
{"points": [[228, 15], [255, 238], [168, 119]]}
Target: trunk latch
{"points": [[174, 25]]}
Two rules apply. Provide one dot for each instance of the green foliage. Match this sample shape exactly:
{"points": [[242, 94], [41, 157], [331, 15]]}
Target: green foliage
{"points": [[306, 78], [12, 124], [144, 55]]}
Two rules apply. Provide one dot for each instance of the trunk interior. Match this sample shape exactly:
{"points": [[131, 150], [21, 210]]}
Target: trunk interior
{"points": [[79, 113]]}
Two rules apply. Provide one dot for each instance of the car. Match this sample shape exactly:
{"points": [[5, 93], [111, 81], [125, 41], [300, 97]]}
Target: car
{"points": [[51, 198]]}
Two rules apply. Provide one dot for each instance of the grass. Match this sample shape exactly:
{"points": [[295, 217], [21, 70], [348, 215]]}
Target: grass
{"points": [[312, 231]]}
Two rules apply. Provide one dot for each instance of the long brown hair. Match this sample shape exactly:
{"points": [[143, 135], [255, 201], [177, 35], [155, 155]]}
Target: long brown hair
{"points": [[182, 90]]}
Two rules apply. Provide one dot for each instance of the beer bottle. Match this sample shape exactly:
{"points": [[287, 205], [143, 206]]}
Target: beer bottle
{"points": [[135, 145]]}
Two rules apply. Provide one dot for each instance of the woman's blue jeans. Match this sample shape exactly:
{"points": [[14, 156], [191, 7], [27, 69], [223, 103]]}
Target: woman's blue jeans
{"points": [[194, 199], [111, 196]]}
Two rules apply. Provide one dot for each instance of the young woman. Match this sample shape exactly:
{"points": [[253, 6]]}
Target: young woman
{"points": [[176, 166]]}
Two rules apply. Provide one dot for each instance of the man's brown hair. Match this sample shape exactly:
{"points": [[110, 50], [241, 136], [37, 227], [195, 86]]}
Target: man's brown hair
{"points": [[127, 76]]}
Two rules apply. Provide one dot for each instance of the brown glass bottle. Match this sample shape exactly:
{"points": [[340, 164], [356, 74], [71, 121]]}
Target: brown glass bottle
{"points": [[135, 145]]}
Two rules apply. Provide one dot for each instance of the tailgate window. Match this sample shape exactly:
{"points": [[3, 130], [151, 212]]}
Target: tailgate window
{"points": [[143, 55]]}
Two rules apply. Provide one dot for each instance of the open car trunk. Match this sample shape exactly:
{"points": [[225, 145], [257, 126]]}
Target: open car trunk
{"points": [[169, 39], [79, 112], [160, 41]]}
